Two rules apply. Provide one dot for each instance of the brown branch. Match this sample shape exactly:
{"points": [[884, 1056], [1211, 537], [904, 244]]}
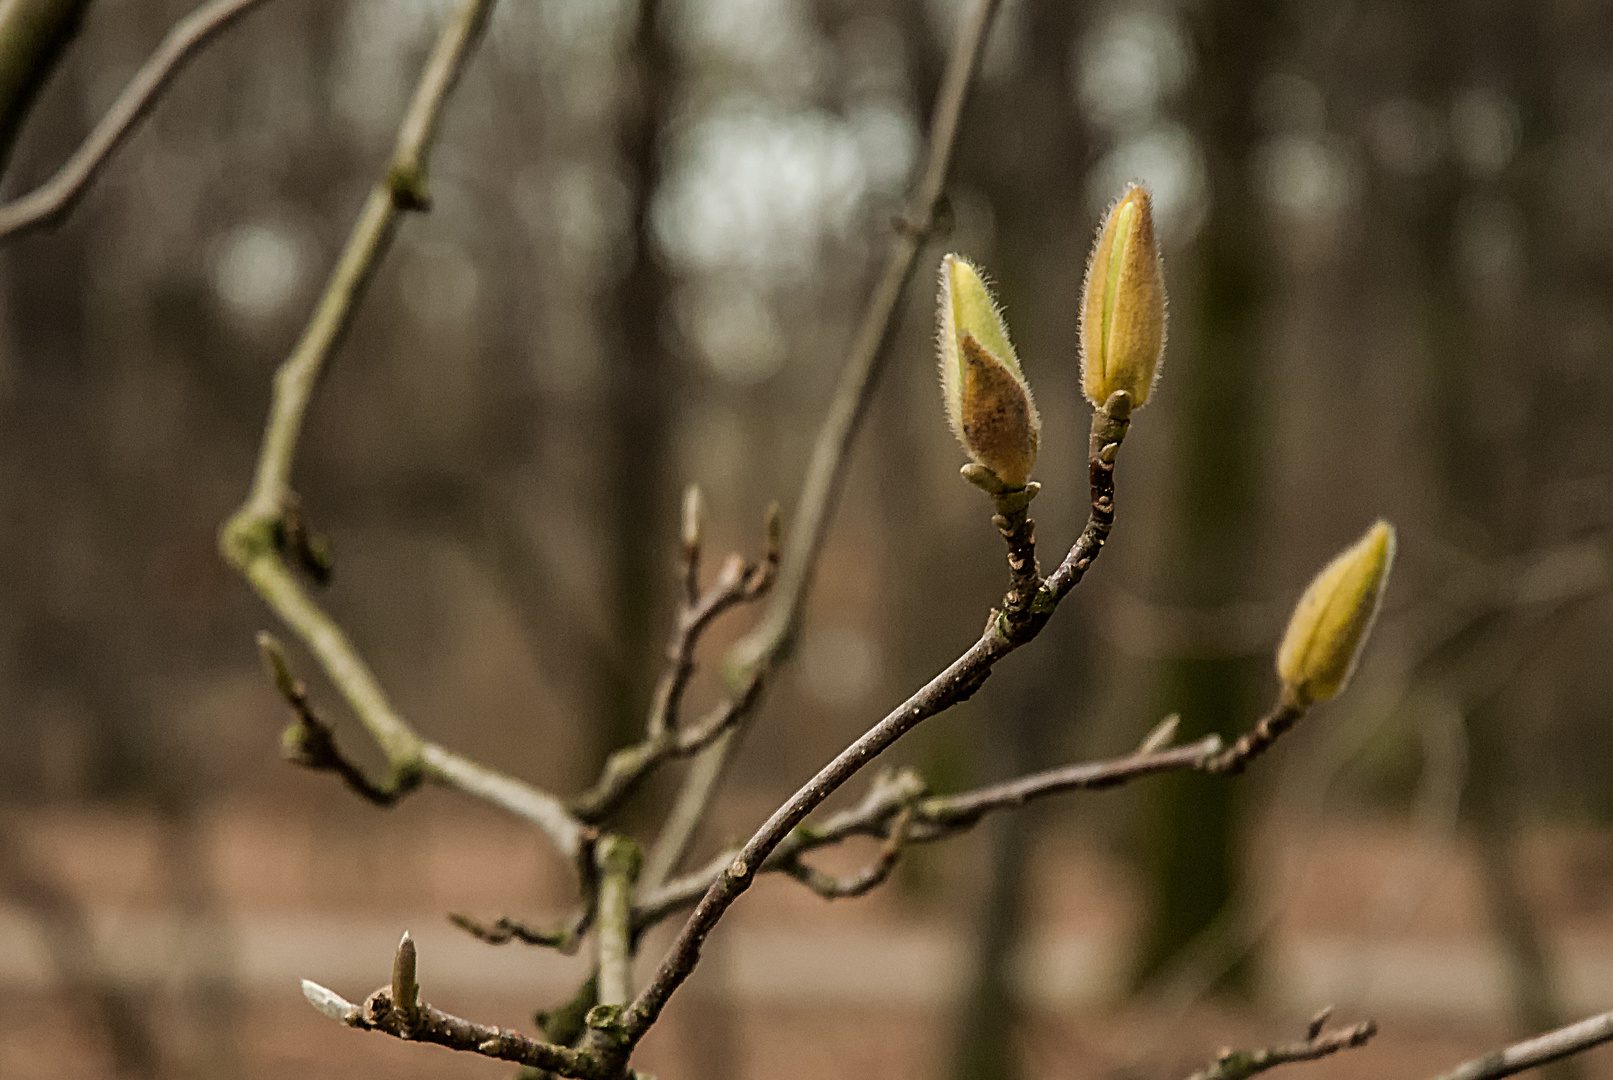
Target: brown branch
{"points": [[1109, 425], [1319, 1042], [942, 816], [860, 883], [427, 1024], [753, 658], [254, 539], [954, 685], [1287, 712], [311, 743], [931, 819], [1541, 1050], [736, 583], [505, 930], [51, 201]]}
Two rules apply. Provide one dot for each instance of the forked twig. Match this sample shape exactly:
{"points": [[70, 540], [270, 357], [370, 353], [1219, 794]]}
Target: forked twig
{"points": [[253, 540], [1319, 1042]]}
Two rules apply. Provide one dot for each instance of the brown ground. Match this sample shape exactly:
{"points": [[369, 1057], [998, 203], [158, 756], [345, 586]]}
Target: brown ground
{"points": [[796, 987]]}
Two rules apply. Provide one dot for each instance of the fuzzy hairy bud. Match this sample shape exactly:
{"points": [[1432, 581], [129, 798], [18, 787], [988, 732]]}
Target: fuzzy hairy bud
{"points": [[1123, 304], [988, 401], [1334, 616]]}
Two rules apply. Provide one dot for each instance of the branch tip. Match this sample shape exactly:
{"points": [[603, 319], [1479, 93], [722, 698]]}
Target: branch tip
{"points": [[330, 1003], [1163, 734]]}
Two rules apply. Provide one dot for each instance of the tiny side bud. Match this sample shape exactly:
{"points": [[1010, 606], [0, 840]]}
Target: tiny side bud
{"points": [[1334, 616], [1123, 304]]}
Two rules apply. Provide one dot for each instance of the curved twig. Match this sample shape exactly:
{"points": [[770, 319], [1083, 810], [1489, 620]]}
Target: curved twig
{"points": [[52, 200], [254, 539], [1541, 1050]]}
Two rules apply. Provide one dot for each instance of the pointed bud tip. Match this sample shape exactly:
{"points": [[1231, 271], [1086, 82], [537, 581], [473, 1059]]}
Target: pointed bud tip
{"points": [[1334, 617]]}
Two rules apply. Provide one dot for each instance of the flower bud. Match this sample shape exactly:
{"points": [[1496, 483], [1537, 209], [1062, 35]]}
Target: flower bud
{"points": [[989, 403], [1334, 616], [1123, 304]]}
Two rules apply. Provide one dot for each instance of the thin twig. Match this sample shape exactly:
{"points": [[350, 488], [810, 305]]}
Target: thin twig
{"points": [[753, 657], [253, 539], [52, 200], [664, 736], [954, 685], [505, 930], [932, 818], [1541, 1050], [1319, 1042], [428, 1024], [1287, 712], [860, 883], [311, 743]]}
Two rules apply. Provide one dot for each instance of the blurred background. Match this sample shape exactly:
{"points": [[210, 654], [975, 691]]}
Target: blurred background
{"points": [[1388, 233]]}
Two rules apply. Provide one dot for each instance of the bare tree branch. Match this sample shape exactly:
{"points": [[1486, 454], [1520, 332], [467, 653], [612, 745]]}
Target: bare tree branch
{"points": [[752, 659], [869, 877], [428, 1024], [51, 201], [1541, 1050], [254, 539], [504, 930], [1006, 632], [932, 818], [311, 743], [1287, 712], [736, 583], [1319, 1042]]}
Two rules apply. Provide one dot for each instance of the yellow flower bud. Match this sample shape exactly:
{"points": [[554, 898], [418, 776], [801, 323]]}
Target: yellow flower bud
{"points": [[1123, 304], [989, 403], [1334, 616]]}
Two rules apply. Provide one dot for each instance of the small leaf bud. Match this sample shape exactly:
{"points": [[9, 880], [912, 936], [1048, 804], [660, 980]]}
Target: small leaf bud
{"points": [[1334, 616], [1123, 304], [989, 403]]}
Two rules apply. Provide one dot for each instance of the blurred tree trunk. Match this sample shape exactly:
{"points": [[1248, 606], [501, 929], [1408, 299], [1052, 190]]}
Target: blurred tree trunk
{"points": [[33, 35], [1216, 385], [1475, 347], [634, 487], [1024, 149]]}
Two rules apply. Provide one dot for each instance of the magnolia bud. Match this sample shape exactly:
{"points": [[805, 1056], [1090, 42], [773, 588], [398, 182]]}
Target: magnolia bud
{"points": [[1123, 304], [989, 403], [1334, 616]]}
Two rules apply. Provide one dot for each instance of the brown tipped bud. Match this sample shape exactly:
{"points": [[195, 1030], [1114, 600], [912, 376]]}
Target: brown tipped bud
{"points": [[1123, 304], [1334, 615], [989, 403]]}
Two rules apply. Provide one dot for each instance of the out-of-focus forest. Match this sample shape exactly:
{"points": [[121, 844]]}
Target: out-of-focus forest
{"points": [[1388, 240]]}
